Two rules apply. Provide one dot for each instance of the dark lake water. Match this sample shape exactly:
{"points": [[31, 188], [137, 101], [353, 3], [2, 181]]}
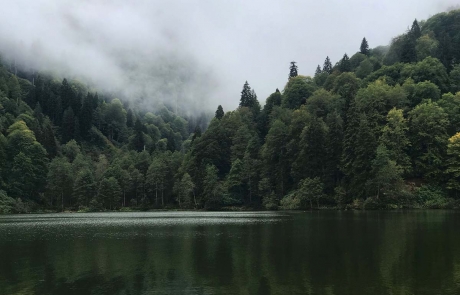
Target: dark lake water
{"points": [[416, 252]]}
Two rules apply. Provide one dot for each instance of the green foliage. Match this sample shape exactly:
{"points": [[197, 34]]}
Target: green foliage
{"points": [[327, 67], [345, 64], [426, 46], [293, 70], [429, 69], [453, 163], [60, 182], [364, 48], [455, 79], [109, 193], [364, 69], [340, 138], [386, 178], [7, 204], [356, 60], [297, 91], [432, 197], [451, 105], [212, 189], [219, 112], [310, 189], [249, 98], [185, 192], [428, 124], [394, 138]]}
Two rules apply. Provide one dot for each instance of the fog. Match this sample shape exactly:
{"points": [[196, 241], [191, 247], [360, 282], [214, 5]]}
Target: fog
{"points": [[197, 54]]}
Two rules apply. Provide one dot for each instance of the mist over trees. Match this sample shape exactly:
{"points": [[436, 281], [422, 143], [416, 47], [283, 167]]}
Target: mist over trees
{"points": [[377, 129]]}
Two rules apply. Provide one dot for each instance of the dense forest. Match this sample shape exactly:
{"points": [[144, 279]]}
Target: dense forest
{"points": [[379, 129]]}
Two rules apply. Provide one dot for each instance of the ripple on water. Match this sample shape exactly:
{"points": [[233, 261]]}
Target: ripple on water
{"points": [[124, 225]]}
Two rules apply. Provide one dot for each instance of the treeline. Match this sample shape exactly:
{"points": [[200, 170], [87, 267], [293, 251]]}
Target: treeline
{"points": [[378, 129]]}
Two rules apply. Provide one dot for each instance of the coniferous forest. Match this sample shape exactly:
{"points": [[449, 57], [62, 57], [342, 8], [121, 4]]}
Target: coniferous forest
{"points": [[378, 129]]}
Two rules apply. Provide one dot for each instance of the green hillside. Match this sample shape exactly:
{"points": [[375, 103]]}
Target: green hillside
{"points": [[378, 129]]}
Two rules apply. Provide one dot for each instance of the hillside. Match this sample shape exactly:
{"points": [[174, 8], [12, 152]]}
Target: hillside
{"points": [[378, 129]]}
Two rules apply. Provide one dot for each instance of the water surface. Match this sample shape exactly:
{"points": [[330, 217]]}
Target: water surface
{"points": [[395, 252]]}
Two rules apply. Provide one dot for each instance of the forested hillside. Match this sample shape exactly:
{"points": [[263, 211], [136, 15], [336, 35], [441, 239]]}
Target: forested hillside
{"points": [[378, 129]]}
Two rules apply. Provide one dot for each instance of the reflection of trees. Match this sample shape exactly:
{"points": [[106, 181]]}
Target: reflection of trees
{"points": [[307, 253]]}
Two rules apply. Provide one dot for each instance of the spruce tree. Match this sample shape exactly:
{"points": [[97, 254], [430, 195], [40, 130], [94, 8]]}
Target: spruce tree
{"points": [[345, 65], [196, 133], [138, 141], [219, 112], [327, 67], [68, 125], [86, 116], [68, 95], [318, 71], [245, 95], [293, 70], [415, 30], [364, 49], [249, 99]]}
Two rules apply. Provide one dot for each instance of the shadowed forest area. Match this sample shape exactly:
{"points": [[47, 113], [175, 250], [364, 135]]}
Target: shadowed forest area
{"points": [[377, 129]]}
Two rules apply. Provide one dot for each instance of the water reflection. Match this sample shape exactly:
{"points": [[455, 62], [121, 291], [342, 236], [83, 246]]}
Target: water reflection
{"points": [[414, 252]]}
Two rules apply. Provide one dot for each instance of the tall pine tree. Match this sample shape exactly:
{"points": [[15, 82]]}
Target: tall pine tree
{"points": [[364, 49]]}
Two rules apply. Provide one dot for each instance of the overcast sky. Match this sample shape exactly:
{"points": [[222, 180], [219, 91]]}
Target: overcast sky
{"points": [[198, 52]]}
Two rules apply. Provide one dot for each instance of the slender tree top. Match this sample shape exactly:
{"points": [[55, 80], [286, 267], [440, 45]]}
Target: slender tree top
{"points": [[327, 67], [318, 70], [219, 112], [364, 49], [345, 64], [293, 70], [415, 30]]}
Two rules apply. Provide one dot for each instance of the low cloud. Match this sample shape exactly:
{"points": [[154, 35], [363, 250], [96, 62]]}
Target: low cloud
{"points": [[196, 54]]}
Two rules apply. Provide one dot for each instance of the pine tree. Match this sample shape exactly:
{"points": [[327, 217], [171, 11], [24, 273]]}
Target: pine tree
{"points": [[86, 116], [327, 67], [68, 95], [415, 30], [138, 142], [68, 125], [246, 97], [318, 71], [14, 89], [333, 151], [196, 133], [249, 99], [364, 48], [293, 70], [358, 152], [219, 112], [345, 65]]}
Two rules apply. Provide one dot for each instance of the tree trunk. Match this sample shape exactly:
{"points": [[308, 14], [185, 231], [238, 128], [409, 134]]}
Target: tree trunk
{"points": [[162, 195], [311, 205], [194, 199], [156, 194], [62, 201], [250, 191]]}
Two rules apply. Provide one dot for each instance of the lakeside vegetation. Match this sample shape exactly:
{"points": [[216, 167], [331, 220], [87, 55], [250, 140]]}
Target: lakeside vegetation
{"points": [[379, 129]]}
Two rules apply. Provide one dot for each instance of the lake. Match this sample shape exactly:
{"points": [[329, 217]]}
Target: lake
{"points": [[319, 252]]}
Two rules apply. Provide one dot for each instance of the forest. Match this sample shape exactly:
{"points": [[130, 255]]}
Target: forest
{"points": [[377, 130]]}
